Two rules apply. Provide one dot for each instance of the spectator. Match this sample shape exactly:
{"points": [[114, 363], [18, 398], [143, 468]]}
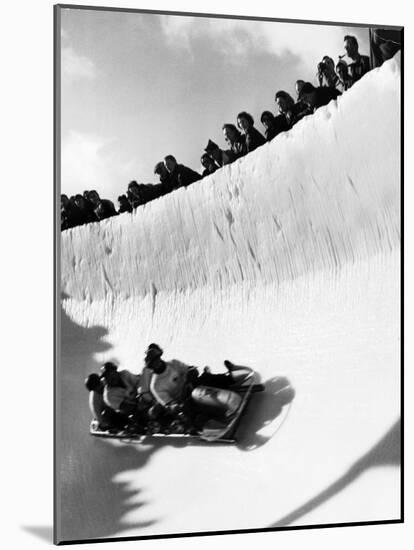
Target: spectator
{"points": [[164, 186], [298, 87], [70, 214], [86, 210], [317, 97], [360, 63], [208, 164], [291, 111], [253, 137], [302, 108], [326, 73], [385, 43], [345, 80], [134, 194], [64, 200], [219, 156], [86, 197], [103, 208], [124, 204], [236, 142], [273, 125], [64, 214], [181, 176], [162, 172]]}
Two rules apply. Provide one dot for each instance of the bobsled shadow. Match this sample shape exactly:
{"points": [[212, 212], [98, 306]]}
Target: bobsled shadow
{"points": [[265, 409]]}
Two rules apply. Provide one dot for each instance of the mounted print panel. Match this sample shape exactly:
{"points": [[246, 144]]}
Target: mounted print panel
{"points": [[229, 282]]}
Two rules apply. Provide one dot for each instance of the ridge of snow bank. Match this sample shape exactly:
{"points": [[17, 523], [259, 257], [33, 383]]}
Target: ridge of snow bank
{"points": [[317, 197]]}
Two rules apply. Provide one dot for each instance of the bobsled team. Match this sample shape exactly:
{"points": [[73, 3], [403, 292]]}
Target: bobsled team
{"points": [[165, 395]]}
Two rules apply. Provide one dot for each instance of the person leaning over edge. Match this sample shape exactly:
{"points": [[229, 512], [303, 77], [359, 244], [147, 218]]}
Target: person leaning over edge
{"points": [[317, 97], [180, 175]]}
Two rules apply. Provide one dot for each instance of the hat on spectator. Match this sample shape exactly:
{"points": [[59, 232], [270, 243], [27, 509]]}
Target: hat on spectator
{"points": [[211, 146]]}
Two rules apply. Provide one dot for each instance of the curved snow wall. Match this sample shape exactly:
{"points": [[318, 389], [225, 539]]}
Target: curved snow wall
{"points": [[317, 197]]}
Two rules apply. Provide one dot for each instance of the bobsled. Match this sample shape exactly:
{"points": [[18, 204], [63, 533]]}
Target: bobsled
{"points": [[217, 413]]}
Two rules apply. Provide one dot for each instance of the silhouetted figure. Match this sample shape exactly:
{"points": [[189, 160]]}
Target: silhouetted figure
{"points": [[317, 97], [208, 164], [292, 111], [85, 195], [181, 176], [164, 186], [86, 209], [298, 87], [326, 73], [360, 63], [135, 194], [64, 216], [70, 214], [301, 108], [103, 208], [124, 204], [345, 80], [273, 125], [236, 142], [385, 43], [219, 156], [253, 138]]}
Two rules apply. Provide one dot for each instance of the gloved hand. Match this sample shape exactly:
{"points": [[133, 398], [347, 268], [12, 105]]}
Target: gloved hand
{"points": [[174, 408]]}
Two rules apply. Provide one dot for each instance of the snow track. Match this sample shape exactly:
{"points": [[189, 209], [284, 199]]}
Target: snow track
{"points": [[288, 261]]}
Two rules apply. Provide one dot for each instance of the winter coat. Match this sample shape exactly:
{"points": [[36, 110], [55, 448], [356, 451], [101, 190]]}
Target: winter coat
{"points": [[183, 176], [324, 96], [253, 139], [359, 67], [105, 209], [237, 149]]}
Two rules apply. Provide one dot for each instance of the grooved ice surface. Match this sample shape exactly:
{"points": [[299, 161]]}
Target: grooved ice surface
{"points": [[286, 260]]}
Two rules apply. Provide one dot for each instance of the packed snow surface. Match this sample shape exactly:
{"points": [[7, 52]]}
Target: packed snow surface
{"points": [[287, 261]]}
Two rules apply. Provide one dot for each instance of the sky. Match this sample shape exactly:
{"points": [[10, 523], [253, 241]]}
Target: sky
{"points": [[136, 87]]}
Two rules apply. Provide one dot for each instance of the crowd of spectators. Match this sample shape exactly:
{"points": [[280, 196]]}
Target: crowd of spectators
{"points": [[241, 138]]}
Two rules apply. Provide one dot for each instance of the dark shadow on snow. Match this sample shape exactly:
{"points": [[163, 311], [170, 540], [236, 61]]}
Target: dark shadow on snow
{"points": [[93, 504], [387, 452], [264, 408]]}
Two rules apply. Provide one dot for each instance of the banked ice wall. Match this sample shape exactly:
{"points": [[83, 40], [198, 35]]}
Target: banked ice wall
{"points": [[317, 197]]}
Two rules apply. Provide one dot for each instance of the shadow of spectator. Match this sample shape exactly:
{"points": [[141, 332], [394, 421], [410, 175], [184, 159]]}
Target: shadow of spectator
{"points": [[91, 504], [263, 410], [387, 452]]}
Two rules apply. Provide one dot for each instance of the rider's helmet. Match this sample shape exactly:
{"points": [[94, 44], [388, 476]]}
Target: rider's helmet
{"points": [[153, 352], [108, 368], [92, 382]]}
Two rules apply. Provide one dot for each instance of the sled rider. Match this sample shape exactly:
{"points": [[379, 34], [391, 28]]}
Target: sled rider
{"points": [[169, 383], [106, 417], [120, 391]]}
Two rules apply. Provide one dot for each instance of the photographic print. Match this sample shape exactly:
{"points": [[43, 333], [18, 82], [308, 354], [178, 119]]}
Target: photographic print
{"points": [[228, 334]]}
